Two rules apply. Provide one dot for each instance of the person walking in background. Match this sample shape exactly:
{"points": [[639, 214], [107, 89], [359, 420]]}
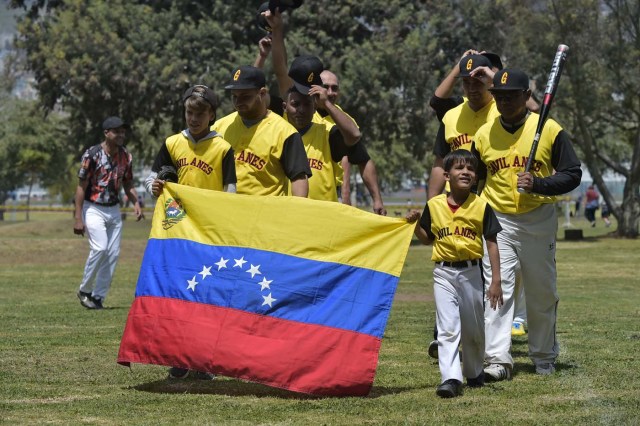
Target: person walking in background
{"points": [[105, 168], [605, 213], [591, 205]]}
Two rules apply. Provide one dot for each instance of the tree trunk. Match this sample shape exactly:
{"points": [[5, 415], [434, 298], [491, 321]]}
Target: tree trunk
{"points": [[29, 196], [628, 222]]}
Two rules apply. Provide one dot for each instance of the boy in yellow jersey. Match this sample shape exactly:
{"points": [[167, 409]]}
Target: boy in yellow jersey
{"points": [[200, 157], [195, 157], [456, 223], [529, 221], [269, 152]]}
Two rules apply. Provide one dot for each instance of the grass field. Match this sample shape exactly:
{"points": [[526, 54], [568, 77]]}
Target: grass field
{"points": [[58, 359]]}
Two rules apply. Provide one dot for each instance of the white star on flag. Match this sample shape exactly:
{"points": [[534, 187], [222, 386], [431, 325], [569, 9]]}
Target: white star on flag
{"points": [[265, 283], [205, 271], [239, 262], [192, 284], [222, 263], [254, 270], [268, 300]]}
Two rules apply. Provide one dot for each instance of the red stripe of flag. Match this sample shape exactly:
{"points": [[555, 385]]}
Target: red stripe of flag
{"points": [[301, 357]]}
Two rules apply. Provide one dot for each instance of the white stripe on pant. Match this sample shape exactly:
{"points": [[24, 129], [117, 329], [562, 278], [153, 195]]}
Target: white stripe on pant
{"points": [[527, 241], [104, 230], [459, 317]]}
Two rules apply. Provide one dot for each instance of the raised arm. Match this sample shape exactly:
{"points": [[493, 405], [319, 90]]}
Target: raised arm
{"points": [[264, 48], [350, 132], [279, 52]]}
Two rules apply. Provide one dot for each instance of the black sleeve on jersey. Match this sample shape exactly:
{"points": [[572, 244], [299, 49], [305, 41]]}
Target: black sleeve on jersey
{"points": [[481, 173], [337, 145], [229, 168], [567, 166], [442, 105], [490, 224], [441, 147], [425, 222], [294, 158], [162, 159], [358, 154]]}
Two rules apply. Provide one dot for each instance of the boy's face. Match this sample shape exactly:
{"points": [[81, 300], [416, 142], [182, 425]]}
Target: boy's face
{"points": [[198, 120], [462, 175], [300, 109]]}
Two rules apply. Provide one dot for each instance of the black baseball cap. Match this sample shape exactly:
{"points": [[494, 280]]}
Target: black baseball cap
{"points": [[510, 79], [113, 123], [494, 58], [471, 62], [205, 93], [262, 21], [246, 77], [284, 5], [305, 72]]}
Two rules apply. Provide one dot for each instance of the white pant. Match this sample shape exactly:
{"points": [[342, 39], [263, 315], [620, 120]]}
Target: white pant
{"points": [[459, 316], [529, 241], [104, 229], [520, 307]]}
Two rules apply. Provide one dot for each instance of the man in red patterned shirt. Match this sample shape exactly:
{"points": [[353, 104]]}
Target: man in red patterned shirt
{"points": [[105, 168]]}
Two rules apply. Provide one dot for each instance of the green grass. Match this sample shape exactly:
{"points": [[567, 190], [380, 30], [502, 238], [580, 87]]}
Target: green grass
{"points": [[58, 359]]}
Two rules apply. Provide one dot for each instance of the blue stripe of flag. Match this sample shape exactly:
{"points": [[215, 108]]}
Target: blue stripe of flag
{"points": [[308, 291]]}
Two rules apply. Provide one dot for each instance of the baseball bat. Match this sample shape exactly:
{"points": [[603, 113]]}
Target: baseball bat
{"points": [[549, 94]]}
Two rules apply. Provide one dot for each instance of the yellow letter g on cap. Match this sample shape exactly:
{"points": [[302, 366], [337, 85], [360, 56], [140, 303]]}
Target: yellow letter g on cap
{"points": [[469, 64], [236, 76], [504, 77]]}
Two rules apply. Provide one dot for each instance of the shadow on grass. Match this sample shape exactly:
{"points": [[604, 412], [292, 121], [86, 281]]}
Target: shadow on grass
{"points": [[233, 387], [528, 368]]}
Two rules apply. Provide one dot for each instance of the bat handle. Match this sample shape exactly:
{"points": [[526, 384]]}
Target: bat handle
{"points": [[521, 190]]}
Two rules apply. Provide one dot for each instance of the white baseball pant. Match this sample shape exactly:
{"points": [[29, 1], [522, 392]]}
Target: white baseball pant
{"points": [[104, 230], [527, 240], [458, 294]]}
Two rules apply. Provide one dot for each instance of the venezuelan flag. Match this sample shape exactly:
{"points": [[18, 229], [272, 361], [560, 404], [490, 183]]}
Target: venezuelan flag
{"points": [[289, 292]]}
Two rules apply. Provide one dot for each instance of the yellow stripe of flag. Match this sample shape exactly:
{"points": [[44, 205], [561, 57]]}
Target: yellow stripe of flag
{"points": [[317, 230]]}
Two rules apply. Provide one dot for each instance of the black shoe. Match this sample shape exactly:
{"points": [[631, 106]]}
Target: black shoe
{"points": [[85, 300], [202, 375], [449, 389], [178, 373], [97, 301], [476, 382], [433, 349]]}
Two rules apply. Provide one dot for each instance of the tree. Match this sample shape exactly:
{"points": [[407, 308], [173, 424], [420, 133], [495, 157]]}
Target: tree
{"points": [[598, 99], [32, 163]]}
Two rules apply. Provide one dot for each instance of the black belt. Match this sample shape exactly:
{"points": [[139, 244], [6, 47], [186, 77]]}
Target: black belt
{"points": [[459, 264], [104, 204]]}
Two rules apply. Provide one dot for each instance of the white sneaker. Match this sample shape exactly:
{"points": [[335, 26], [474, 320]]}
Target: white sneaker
{"points": [[545, 369], [497, 372]]}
